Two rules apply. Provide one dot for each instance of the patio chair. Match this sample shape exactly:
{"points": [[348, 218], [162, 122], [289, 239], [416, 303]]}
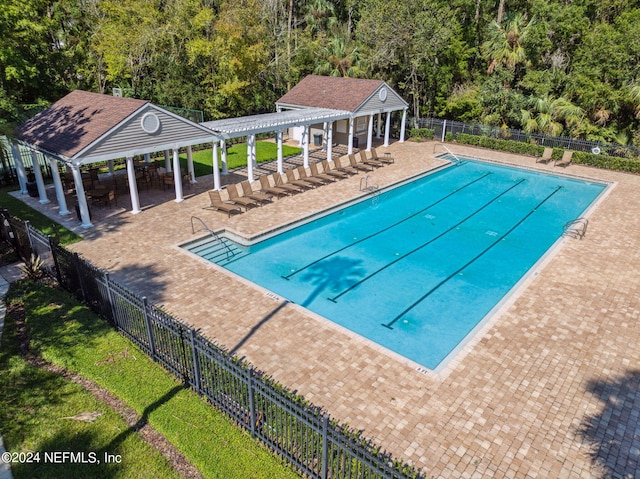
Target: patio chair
{"points": [[387, 158], [333, 172], [277, 180], [546, 156], [566, 159], [236, 199], [266, 188], [358, 166], [325, 178], [302, 183], [349, 170], [302, 173], [369, 161], [218, 204], [254, 195]]}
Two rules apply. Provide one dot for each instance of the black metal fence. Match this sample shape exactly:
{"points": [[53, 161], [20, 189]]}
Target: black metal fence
{"points": [[442, 127], [316, 445]]}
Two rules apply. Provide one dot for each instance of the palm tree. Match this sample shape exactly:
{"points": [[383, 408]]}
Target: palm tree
{"points": [[339, 58], [551, 115], [505, 45]]}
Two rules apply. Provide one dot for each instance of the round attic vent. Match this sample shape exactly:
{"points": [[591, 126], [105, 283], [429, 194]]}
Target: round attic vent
{"points": [[150, 122], [382, 94]]}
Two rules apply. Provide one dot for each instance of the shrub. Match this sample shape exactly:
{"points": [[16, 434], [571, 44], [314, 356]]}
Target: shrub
{"points": [[419, 134]]}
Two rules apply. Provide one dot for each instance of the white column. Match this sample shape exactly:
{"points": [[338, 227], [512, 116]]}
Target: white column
{"points": [[111, 168], [177, 175], [62, 201], [22, 173], [251, 155], [350, 142], [279, 143], [82, 199], [305, 146], [330, 141], [324, 135], [167, 160], [379, 126], [216, 169], [223, 153], [42, 192], [370, 133], [133, 186], [192, 173], [387, 127], [402, 125]]}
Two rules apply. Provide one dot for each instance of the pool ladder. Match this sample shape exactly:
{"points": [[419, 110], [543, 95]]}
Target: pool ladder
{"points": [[576, 228], [373, 189], [229, 252], [458, 160]]}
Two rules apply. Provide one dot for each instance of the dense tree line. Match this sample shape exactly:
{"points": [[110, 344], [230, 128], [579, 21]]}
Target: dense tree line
{"points": [[555, 66]]}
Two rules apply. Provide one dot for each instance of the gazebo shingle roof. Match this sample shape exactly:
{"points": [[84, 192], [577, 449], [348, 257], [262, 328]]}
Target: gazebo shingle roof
{"points": [[338, 93], [76, 120]]}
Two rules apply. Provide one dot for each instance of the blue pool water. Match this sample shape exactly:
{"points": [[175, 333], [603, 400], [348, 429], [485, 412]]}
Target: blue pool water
{"points": [[416, 268]]}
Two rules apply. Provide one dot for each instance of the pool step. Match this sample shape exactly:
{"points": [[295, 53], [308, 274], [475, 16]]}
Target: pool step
{"points": [[218, 250]]}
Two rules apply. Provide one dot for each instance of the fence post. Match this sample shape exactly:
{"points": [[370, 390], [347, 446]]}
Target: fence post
{"points": [[147, 322], [252, 406], [112, 304], [196, 361], [55, 260], [325, 446], [444, 129], [76, 262]]}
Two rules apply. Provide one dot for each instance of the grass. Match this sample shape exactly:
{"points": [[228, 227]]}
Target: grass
{"points": [[236, 156], [39, 221], [69, 335]]}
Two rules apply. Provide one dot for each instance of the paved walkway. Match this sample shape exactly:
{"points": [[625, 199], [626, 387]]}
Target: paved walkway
{"points": [[549, 388]]}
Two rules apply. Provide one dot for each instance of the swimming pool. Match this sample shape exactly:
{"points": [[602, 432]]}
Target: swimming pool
{"points": [[418, 267]]}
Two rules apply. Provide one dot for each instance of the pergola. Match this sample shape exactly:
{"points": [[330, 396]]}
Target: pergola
{"points": [[278, 122], [84, 128]]}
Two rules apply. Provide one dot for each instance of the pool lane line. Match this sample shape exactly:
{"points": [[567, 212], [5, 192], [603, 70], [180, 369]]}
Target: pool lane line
{"points": [[390, 324], [448, 230], [387, 228]]}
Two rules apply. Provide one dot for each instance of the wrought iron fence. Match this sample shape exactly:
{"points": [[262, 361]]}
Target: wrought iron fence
{"points": [[442, 127], [314, 443]]}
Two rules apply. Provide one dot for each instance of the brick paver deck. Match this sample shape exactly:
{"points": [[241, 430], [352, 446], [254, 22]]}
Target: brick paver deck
{"points": [[550, 388]]}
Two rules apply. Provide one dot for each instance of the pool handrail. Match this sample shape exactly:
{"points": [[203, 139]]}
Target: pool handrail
{"points": [[448, 151], [216, 236]]}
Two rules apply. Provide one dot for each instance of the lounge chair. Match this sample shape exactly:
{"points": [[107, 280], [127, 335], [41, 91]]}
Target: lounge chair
{"points": [[266, 188], [349, 170], [358, 166], [277, 180], [236, 199], [254, 195], [335, 173], [302, 183], [218, 204], [386, 159], [546, 156], [322, 177], [369, 161], [566, 159]]}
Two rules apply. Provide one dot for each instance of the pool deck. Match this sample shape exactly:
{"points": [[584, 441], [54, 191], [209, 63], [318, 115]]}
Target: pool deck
{"points": [[549, 388]]}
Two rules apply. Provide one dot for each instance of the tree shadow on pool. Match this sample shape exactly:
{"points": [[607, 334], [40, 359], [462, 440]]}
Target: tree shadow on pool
{"points": [[333, 274], [614, 433]]}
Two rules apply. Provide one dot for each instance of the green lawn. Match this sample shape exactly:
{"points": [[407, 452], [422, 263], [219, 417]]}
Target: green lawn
{"points": [[69, 335], [236, 156], [39, 221]]}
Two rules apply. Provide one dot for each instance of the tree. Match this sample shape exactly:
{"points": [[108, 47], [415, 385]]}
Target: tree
{"points": [[551, 116], [339, 58], [506, 43]]}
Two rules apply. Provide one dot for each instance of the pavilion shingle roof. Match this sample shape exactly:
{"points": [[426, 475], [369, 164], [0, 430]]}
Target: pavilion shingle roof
{"points": [[331, 92], [76, 120]]}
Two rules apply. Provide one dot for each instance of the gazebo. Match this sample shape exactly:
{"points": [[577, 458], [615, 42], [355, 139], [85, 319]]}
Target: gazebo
{"points": [[84, 128], [364, 100]]}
